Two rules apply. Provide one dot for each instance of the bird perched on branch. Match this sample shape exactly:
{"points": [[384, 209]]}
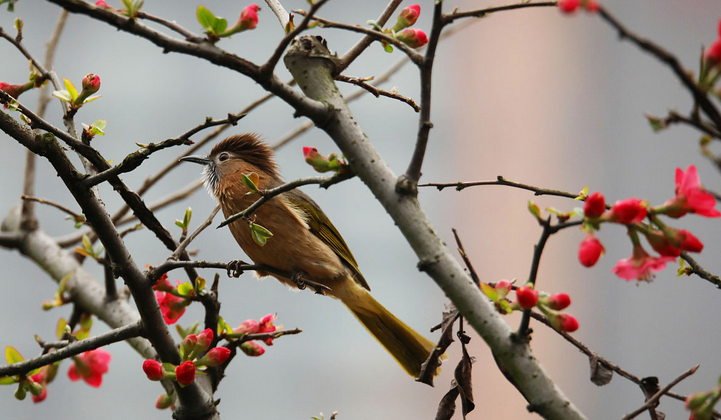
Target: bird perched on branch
{"points": [[305, 244]]}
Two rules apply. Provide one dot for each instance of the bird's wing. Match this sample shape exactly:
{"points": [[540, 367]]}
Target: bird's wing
{"points": [[322, 227]]}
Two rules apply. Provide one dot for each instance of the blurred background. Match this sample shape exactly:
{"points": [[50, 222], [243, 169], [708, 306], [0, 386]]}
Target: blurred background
{"points": [[536, 96]]}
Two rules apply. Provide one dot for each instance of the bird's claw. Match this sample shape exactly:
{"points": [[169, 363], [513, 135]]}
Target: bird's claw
{"points": [[235, 269], [301, 284]]}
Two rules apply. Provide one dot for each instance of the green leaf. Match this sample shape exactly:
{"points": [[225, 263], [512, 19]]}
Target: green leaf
{"points": [[251, 181], [223, 326], [7, 380], [34, 371], [63, 95], [260, 234], [92, 98], [187, 216], [388, 48], [70, 89], [534, 209], [199, 284], [505, 306], [12, 355], [375, 24], [169, 367], [205, 17], [184, 289], [489, 291], [60, 329], [219, 25], [11, 5]]}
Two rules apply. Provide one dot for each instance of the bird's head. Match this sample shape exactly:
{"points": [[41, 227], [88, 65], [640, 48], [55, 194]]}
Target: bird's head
{"points": [[243, 153]]}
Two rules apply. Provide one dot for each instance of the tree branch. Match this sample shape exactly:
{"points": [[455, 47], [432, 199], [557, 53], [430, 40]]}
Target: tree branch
{"points": [[92, 343]]}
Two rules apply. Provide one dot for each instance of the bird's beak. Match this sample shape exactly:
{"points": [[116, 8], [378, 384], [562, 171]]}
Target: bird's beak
{"points": [[196, 159]]}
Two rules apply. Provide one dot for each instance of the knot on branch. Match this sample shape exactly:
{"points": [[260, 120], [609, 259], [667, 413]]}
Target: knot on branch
{"points": [[406, 186]]}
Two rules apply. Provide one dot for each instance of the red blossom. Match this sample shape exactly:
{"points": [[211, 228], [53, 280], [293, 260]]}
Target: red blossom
{"points": [[590, 250], [163, 284], [630, 210], [41, 379], [712, 55], [595, 205], [592, 6], [185, 373], [526, 297], [640, 265], [91, 83], [691, 197], [569, 6], [171, 306], [153, 370], [413, 37], [679, 240], [15, 90], [90, 367], [559, 301], [503, 287]]}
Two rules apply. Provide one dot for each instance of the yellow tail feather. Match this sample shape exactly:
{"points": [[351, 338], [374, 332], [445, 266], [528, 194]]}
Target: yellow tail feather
{"points": [[409, 348]]}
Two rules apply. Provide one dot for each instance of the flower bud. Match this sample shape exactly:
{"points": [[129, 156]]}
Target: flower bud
{"points": [[249, 326], [526, 297], [251, 348], [91, 83], [569, 6], [407, 17], [164, 401], [205, 338], [595, 205], [559, 301], [590, 250], [185, 373], [153, 370], [216, 356], [696, 400], [592, 6], [189, 343], [567, 323], [712, 55], [630, 210], [413, 37], [503, 287]]}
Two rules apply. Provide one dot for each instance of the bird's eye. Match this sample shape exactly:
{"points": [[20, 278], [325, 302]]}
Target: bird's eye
{"points": [[223, 157]]}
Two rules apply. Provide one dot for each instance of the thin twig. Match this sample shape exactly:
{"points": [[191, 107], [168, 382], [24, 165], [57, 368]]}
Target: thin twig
{"points": [[700, 97], [484, 12], [373, 33], [184, 244], [700, 271], [267, 69], [466, 260], [75, 215], [324, 182], [459, 186], [535, 264], [265, 336], [189, 36], [377, 92], [367, 40], [651, 402], [113, 336], [675, 117]]}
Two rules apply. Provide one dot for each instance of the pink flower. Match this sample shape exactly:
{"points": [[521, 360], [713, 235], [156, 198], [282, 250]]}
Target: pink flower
{"points": [[249, 326], [691, 197], [503, 287], [249, 17], [40, 378], [15, 90], [163, 284], [171, 306], [153, 370], [101, 3], [590, 250], [41, 397], [407, 17], [569, 6], [266, 326], [185, 373], [252, 348], [630, 210], [526, 297], [661, 244], [90, 367], [413, 37], [640, 265], [559, 301], [595, 205]]}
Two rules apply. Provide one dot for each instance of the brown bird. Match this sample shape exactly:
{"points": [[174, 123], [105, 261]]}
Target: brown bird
{"points": [[304, 242]]}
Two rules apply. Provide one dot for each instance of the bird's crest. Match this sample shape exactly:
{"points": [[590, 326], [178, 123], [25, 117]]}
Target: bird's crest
{"points": [[251, 149]]}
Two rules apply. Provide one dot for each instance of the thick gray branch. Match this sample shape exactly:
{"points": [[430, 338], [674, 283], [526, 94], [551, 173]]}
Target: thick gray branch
{"points": [[312, 66]]}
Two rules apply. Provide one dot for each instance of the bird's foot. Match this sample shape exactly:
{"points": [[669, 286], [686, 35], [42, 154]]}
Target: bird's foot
{"points": [[235, 268], [301, 283]]}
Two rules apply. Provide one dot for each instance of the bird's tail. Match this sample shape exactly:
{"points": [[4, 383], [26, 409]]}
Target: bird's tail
{"points": [[408, 347]]}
